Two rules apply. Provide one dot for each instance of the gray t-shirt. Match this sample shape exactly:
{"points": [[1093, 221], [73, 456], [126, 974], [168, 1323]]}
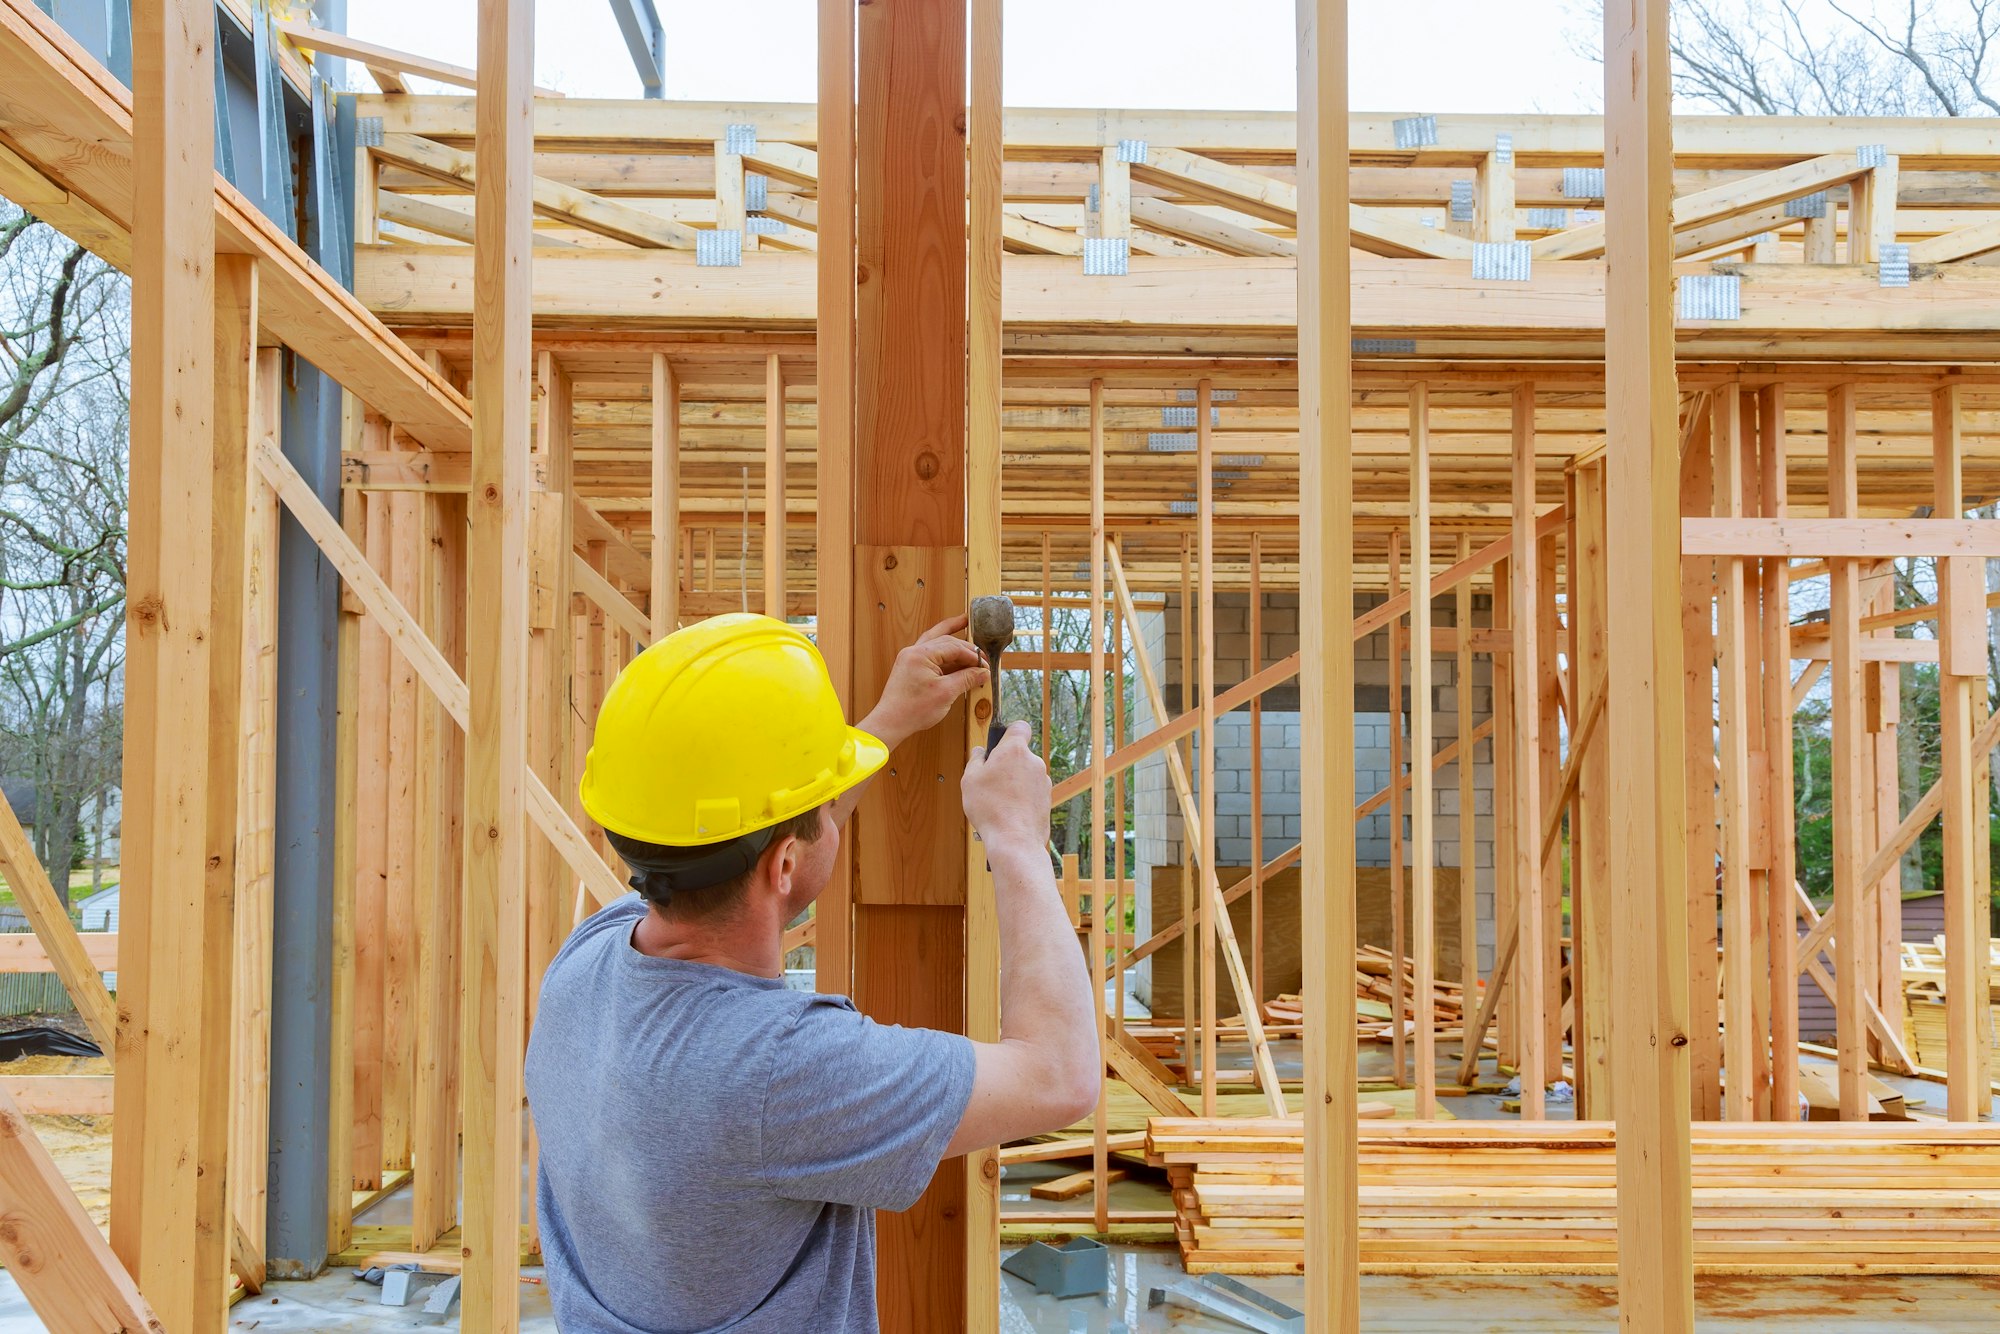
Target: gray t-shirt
{"points": [[714, 1146]]}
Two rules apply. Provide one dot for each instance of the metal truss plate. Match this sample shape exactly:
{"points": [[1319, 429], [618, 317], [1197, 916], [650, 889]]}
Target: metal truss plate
{"points": [[1375, 347], [1709, 296], [739, 139], [1807, 206], [1214, 395], [762, 226], [1502, 261], [368, 131], [1131, 150], [1583, 182], [718, 248], [1171, 442], [1548, 219], [1894, 268], [1187, 417], [1461, 201], [756, 191], [1503, 148], [1106, 256], [1871, 155], [1416, 131]]}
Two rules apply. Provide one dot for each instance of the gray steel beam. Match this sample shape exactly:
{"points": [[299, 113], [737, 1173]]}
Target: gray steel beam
{"points": [[646, 40]]}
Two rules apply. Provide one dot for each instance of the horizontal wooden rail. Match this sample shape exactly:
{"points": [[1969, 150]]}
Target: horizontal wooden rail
{"points": [[1840, 539]]}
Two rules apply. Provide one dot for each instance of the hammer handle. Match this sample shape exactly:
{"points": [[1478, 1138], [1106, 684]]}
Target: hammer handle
{"points": [[994, 732]]}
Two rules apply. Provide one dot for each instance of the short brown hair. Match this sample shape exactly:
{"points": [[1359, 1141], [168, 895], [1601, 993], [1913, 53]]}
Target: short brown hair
{"points": [[652, 869]]}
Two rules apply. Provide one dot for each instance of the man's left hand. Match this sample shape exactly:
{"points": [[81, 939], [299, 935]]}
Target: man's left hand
{"points": [[929, 677]]}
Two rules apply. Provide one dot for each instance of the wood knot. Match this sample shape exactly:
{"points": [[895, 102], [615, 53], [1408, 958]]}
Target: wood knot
{"points": [[927, 466], [150, 610], [982, 709], [889, 562]]}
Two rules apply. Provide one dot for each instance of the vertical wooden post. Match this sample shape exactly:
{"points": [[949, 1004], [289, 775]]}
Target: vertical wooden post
{"points": [[1733, 791], [1531, 912], [1468, 829], [1590, 852], [189, 320], [1549, 717], [984, 571], [1193, 982], [1204, 486], [1254, 665], [1423, 904], [1326, 677], [774, 487], [1099, 1161], [398, 944], [371, 858], [1506, 888], [1849, 850], [909, 545], [1399, 942], [1697, 589], [1780, 903], [495, 926], [1649, 1056], [1961, 671], [665, 605]]}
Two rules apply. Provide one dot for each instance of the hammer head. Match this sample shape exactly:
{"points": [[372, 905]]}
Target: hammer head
{"points": [[992, 626]]}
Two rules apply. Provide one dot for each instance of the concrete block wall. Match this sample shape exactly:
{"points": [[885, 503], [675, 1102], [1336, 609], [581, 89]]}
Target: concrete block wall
{"points": [[1159, 825]]}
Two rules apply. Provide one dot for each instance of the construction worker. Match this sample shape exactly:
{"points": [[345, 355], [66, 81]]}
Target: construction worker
{"points": [[714, 1145]]}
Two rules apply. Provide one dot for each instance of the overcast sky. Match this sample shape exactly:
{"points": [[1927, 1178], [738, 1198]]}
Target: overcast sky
{"points": [[1407, 55]]}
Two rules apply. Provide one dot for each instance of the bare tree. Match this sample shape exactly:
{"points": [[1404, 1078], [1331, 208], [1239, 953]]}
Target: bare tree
{"points": [[64, 413]]}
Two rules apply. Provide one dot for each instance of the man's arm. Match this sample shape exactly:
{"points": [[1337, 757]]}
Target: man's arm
{"points": [[1045, 1070]]}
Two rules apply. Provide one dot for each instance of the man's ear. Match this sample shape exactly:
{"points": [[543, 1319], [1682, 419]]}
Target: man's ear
{"points": [[782, 860]]}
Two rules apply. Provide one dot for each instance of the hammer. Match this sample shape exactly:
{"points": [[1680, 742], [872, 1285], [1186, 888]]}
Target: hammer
{"points": [[992, 630]]}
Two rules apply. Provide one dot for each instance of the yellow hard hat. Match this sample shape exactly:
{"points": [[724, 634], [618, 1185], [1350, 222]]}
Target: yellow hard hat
{"points": [[722, 728]]}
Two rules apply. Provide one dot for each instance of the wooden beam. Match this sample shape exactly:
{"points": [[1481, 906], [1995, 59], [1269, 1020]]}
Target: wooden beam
{"points": [[1849, 852], [1733, 792], [193, 341], [54, 1251], [78, 960], [1842, 537], [1423, 846], [1326, 676], [1782, 923], [1216, 233], [774, 488], [1532, 911], [1204, 486], [1649, 1013], [383, 61], [495, 924]]}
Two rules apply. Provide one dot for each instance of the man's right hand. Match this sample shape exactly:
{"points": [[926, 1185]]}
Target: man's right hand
{"points": [[1006, 794]]}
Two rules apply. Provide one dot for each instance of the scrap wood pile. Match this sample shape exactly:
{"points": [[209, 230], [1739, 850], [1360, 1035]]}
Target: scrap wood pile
{"points": [[1375, 996], [1924, 1005], [1482, 1196]]}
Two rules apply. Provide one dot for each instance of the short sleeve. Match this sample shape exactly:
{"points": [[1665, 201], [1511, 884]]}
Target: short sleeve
{"points": [[857, 1112]]}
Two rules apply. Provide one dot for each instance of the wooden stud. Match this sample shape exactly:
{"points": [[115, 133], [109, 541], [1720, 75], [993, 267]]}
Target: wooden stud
{"points": [[1423, 845], [1590, 851], [1697, 588], [1962, 676], [1781, 927], [1095, 700], [1506, 886], [1326, 672], [1468, 843], [1849, 851], [1649, 1015], [1256, 664], [666, 454], [1733, 792], [1193, 982], [1399, 778], [193, 341], [774, 487], [495, 925], [1531, 912]]}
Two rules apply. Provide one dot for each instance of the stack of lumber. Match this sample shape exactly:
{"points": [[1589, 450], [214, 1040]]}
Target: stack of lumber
{"points": [[1528, 1197], [1375, 995], [1923, 1003]]}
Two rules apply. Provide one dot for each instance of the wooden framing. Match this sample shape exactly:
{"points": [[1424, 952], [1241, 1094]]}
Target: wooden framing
{"points": [[491, 584]]}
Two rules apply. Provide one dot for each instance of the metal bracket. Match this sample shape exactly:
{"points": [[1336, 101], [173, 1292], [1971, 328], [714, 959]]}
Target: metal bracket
{"points": [[1502, 261], [1416, 131], [368, 131], [1893, 268], [1461, 201], [718, 248], [1503, 148], [1239, 460], [1106, 256], [1372, 347], [1709, 296], [1807, 206], [1076, 1268], [1189, 417], [756, 191], [1182, 507], [1583, 182], [1131, 150], [1214, 395], [1171, 442], [762, 226], [1871, 155], [1229, 1299], [1548, 219], [739, 139]]}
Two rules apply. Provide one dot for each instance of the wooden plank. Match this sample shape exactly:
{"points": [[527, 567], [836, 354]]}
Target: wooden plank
{"points": [[1398, 884], [1968, 926], [1840, 537], [666, 519], [380, 60], [193, 339], [1326, 674], [774, 487], [1782, 923], [494, 947], [66, 1270], [983, 539], [1733, 792], [24, 952], [1468, 851], [1590, 853], [1650, 1001], [398, 945], [1204, 487], [1256, 772], [1718, 203], [1094, 699], [60, 1095], [1526, 869], [1849, 852], [607, 598], [1423, 846]]}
